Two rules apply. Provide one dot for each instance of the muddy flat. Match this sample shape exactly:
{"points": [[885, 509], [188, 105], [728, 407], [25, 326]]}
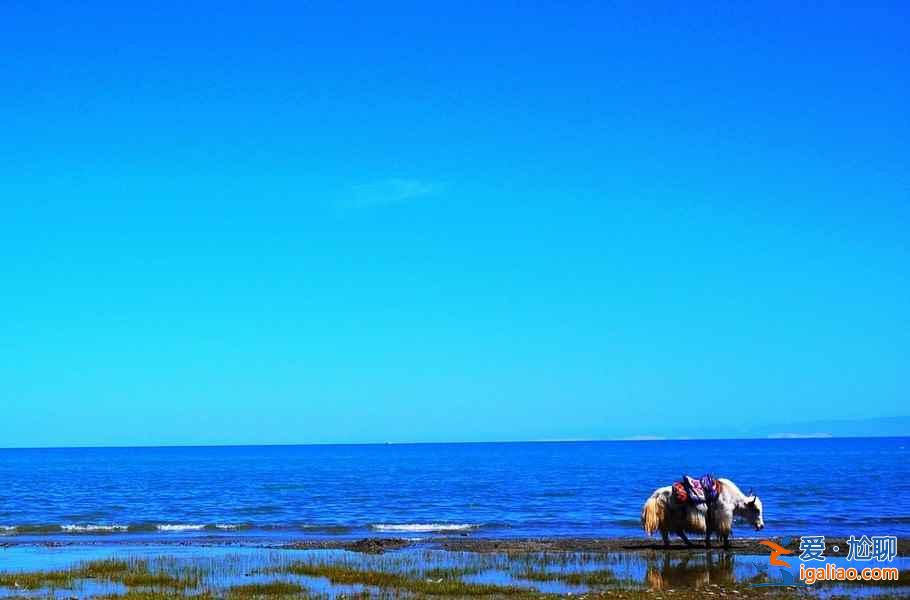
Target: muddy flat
{"points": [[750, 546]]}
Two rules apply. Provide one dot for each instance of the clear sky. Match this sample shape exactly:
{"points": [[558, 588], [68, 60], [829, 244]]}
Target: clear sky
{"points": [[327, 222]]}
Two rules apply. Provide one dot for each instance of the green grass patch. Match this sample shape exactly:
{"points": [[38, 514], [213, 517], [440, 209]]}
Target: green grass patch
{"points": [[155, 595], [450, 572], [271, 589], [131, 573], [36, 580]]}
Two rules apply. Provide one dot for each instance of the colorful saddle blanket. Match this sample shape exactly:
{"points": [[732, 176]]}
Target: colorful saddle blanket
{"points": [[696, 491]]}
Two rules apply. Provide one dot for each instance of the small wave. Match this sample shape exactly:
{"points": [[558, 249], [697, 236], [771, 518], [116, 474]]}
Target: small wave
{"points": [[34, 529], [424, 527], [178, 527], [6, 529], [93, 528], [327, 529]]}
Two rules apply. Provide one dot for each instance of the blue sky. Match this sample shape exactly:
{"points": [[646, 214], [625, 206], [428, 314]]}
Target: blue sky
{"points": [[314, 222]]}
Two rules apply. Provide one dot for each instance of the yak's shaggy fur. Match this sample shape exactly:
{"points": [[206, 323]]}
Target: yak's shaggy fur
{"points": [[663, 513]]}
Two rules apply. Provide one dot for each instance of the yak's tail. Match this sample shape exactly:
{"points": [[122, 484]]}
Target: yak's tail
{"points": [[652, 513]]}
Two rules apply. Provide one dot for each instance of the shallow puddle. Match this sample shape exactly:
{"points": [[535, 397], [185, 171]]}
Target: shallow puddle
{"points": [[409, 571]]}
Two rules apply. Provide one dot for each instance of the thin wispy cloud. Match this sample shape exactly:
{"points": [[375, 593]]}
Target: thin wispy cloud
{"points": [[387, 192]]}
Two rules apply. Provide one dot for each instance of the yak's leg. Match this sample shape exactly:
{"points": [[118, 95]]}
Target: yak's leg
{"points": [[709, 527], [723, 523], [666, 536], [682, 536]]}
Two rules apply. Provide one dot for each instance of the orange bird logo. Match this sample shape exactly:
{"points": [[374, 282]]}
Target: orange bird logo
{"points": [[776, 551]]}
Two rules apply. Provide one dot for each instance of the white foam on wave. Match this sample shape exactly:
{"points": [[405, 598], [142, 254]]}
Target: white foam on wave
{"points": [[167, 527], [424, 527], [225, 526], [93, 528], [7, 529]]}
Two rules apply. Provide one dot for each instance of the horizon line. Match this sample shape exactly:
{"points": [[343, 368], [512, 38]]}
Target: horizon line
{"points": [[629, 439]]}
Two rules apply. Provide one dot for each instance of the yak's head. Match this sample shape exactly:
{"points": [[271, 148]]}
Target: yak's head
{"points": [[751, 511]]}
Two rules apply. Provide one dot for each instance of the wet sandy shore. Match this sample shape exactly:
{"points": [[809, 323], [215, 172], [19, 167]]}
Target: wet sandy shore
{"points": [[459, 543], [603, 545]]}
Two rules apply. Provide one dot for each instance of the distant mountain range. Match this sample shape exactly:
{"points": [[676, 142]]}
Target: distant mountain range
{"points": [[873, 427], [877, 427]]}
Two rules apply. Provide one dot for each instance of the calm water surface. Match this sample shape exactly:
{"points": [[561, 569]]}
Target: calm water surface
{"points": [[823, 486]]}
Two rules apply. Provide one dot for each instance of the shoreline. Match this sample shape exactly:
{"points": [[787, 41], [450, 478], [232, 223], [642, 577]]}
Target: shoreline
{"points": [[381, 544]]}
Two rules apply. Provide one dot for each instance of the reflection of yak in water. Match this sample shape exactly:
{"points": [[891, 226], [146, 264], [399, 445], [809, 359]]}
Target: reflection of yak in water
{"points": [[690, 571], [663, 512]]}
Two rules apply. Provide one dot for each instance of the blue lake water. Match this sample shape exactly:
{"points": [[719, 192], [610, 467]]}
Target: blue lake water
{"points": [[834, 487]]}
